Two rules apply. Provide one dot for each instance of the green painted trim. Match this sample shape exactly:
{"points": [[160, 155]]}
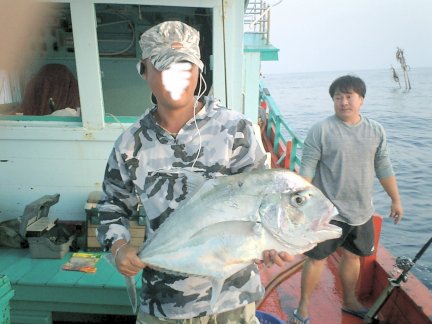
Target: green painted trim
{"points": [[33, 317], [283, 132], [270, 56], [266, 55], [253, 42], [41, 118], [121, 119], [108, 119]]}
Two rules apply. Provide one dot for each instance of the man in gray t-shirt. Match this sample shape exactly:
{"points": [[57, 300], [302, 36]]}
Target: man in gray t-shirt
{"points": [[341, 156]]}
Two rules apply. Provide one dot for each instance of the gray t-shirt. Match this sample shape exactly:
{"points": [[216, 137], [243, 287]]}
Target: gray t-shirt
{"points": [[343, 160]]}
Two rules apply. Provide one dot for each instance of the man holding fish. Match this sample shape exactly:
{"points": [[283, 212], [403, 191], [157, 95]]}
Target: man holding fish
{"points": [[180, 132]]}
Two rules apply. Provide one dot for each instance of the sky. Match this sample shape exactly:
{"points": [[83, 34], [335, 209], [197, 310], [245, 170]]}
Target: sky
{"points": [[336, 35]]}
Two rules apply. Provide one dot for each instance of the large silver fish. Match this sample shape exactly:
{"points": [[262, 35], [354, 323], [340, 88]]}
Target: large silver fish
{"points": [[230, 220]]}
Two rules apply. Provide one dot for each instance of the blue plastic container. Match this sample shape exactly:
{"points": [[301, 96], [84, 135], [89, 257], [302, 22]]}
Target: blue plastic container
{"points": [[266, 318]]}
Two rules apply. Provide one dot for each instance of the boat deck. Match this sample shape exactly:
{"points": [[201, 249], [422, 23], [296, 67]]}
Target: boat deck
{"points": [[44, 293], [412, 304], [326, 300]]}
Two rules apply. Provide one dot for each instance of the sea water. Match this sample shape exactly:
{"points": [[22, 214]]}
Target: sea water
{"points": [[406, 115]]}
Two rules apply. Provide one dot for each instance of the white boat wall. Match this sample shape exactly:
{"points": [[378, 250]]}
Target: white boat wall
{"points": [[43, 154]]}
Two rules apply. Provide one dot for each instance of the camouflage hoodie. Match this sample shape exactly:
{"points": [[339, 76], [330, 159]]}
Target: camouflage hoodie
{"points": [[228, 145]]}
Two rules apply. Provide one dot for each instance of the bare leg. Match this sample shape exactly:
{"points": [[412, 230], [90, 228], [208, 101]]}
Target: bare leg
{"points": [[349, 270], [311, 275]]}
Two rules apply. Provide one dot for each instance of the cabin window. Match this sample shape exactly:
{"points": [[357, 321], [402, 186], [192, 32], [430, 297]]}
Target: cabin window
{"points": [[119, 28], [101, 61], [45, 86]]}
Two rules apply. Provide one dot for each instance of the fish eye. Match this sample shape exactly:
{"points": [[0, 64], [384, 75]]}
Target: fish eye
{"points": [[298, 200]]}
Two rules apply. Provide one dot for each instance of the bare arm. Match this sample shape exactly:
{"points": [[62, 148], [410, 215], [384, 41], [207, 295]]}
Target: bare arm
{"points": [[390, 186]]}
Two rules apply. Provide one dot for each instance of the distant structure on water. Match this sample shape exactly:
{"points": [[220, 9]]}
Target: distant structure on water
{"points": [[395, 76], [401, 58]]}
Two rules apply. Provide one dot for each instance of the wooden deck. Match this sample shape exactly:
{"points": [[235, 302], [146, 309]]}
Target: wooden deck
{"points": [[42, 288]]}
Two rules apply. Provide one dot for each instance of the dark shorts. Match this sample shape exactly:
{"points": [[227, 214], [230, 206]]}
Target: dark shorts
{"points": [[356, 239]]}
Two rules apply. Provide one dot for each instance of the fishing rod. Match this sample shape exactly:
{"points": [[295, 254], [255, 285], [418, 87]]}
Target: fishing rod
{"points": [[403, 263]]}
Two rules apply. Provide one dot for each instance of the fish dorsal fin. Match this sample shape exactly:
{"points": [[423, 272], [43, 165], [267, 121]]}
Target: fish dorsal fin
{"points": [[195, 181]]}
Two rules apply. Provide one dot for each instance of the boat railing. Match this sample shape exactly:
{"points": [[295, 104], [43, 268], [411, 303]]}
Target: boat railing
{"points": [[257, 19], [286, 144]]}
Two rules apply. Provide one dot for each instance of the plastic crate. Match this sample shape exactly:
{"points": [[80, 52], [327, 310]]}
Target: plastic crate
{"points": [[266, 318], [6, 294]]}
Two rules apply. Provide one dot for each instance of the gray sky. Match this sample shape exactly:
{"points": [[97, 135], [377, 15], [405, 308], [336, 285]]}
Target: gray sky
{"points": [[332, 35]]}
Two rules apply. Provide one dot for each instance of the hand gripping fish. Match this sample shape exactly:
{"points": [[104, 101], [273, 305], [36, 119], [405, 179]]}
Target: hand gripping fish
{"points": [[230, 220]]}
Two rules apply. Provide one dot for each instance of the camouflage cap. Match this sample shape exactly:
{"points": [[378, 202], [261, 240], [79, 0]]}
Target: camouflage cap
{"points": [[169, 42]]}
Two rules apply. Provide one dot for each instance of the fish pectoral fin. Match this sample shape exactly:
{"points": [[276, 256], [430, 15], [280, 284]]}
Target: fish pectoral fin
{"points": [[194, 181], [130, 284], [131, 289], [217, 285]]}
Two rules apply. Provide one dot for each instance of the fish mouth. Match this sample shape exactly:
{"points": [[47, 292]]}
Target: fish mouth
{"points": [[320, 228], [324, 222]]}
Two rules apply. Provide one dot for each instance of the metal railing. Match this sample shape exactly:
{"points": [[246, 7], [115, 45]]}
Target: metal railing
{"points": [[257, 19], [287, 145]]}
